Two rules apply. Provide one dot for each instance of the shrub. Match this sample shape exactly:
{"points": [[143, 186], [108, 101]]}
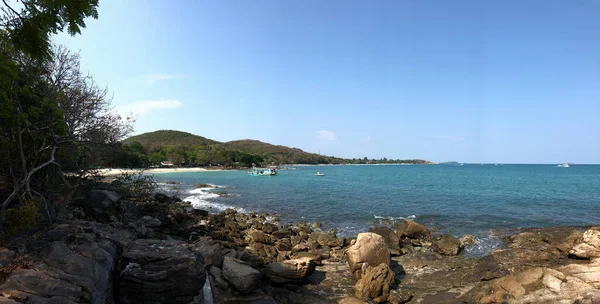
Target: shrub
{"points": [[137, 185], [23, 217]]}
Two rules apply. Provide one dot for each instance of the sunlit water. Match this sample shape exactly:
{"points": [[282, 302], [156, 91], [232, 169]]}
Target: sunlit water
{"points": [[476, 199]]}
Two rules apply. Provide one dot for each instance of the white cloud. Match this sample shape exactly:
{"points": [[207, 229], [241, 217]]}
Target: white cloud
{"points": [[145, 106], [366, 140], [151, 79], [450, 138], [326, 135]]}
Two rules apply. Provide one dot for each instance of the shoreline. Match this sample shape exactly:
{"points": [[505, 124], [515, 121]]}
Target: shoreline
{"points": [[116, 171]]}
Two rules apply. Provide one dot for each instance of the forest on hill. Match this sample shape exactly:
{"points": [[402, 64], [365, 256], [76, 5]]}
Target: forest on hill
{"points": [[186, 149]]}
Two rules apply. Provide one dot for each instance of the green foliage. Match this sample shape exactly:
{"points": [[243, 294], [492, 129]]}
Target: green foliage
{"points": [[31, 25], [23, 217], [183, 148]]}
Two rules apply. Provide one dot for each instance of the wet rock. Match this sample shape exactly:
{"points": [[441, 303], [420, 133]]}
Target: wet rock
{"points": [[375, 281], [369, 248], [315, 225], [204, 186], [157, 271], [290, 271], [468, 239], [282, 233], [589, 247], [243, 277], [391, 238], [446, 244]]}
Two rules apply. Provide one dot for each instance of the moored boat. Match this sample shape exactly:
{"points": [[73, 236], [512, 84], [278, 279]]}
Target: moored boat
{"points": [[269, 171], [565, 165]]}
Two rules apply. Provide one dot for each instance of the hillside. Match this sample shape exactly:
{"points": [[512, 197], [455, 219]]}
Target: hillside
{"points": [[182, 148], [160, 139]]}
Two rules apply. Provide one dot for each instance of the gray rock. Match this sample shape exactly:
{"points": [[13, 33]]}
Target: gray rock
{"points": [[158, 271], [210, 251], [6, 256], [244, 278], [217, 275], [153, 223], [103, 198]]}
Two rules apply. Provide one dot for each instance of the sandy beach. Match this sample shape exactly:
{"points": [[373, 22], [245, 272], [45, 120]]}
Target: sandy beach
{"points": [[112, 171]]}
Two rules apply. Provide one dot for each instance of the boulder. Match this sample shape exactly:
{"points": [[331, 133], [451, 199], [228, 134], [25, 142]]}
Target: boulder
{"points": [[589, 247], [283, 245], [257, 236], [244, 278], [391, 238], [323, 239], [103, 199], [413, 230], [6, 256], [375, 281], [162, 198], [210, 251], [446, 244], [282, 233], [369, 248], [218, 279], [350, 300], [290, 270], [160, 271], [66, 265]]}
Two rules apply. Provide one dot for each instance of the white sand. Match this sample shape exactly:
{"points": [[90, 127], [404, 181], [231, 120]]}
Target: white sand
{"points": [[108, 172]]}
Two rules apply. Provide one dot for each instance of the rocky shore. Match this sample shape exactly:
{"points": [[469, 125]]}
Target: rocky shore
{"points": [[115, 248]]}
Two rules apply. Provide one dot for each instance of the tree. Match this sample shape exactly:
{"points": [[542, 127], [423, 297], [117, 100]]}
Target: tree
{"points": [[29, 27]]}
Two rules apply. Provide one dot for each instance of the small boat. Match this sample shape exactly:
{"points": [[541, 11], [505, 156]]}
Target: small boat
{"points": [[319, 174], [565, 165], [270, 171]]}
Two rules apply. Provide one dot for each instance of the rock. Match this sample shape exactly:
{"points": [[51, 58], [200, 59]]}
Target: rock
{"points": [[446, 244], [412, 230], [290, 270], [217, 275], [6, 256], [103, 199], [589, 247], [315, 225], [573, 283], [351, 300], [282, 233], [391, 238], [200, 212], [243, 277], [375, 281], [399, 297], [162, 198], [369, 248], [159, 271], [152, 222], [70, 266], [468, 239], [257, 236], [283, 245], [323, 239], [210, 251]]}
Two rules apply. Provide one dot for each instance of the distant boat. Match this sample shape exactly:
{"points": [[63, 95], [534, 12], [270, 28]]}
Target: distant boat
{"points": [[319, 174], [270, 171], [565, 165]]}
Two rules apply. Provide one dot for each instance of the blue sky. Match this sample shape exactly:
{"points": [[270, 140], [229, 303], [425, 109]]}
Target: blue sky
{"points": [[473, 81]]}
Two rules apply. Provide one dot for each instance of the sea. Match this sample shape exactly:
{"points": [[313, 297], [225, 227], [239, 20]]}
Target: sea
{"points": [[485, 200]]}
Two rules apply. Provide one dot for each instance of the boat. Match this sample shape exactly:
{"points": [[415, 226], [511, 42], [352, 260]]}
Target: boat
{"points": [[269, 171], [319, 174], [565, 165]]}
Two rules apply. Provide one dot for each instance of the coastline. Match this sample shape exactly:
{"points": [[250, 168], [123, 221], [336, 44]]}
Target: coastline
{"points": [[116, 171]]}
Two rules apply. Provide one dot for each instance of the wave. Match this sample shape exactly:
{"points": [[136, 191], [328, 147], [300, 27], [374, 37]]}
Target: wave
{"points": [[391, 218], [201, 199], [486, 244]]}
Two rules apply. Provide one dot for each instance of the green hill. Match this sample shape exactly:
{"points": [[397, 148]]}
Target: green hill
{"points": [[160, 139], [182, 148]]}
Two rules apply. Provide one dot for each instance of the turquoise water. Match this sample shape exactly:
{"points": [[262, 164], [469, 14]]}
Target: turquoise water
{"points": [[476, 199]]}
